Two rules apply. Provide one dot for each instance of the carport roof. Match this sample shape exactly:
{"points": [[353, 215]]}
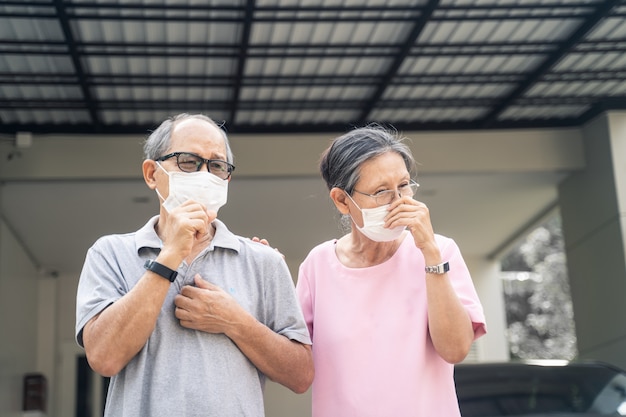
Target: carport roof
{"points": [[290, 66]]}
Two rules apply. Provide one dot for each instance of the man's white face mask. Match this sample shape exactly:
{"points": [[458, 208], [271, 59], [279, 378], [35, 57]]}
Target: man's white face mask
{"points": [[201, 186], [374, 224]]}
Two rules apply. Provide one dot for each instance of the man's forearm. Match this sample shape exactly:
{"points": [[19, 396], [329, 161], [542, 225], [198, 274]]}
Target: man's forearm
{"points": [[115, 335]]}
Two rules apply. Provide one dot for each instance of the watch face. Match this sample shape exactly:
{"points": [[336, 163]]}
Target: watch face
{"points": [[438, 269]]}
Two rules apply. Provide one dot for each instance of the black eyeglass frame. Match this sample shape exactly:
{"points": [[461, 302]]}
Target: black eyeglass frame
{"points": [[207, 162]]}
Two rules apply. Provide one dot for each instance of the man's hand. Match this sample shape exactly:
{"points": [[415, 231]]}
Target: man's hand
{"points": [[206, 307], [185, 225]]}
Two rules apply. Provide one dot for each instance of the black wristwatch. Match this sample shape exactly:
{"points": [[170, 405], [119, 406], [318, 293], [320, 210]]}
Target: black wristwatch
{"points": [[162, 270]]}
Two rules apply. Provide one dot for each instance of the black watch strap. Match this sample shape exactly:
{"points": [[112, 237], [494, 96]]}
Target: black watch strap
{"points": [[160, 269]]}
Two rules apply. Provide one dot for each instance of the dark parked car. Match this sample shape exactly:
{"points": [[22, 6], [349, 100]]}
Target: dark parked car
{"points": [[541, 388]]}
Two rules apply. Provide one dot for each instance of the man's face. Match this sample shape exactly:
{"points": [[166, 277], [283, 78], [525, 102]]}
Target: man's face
{"points": [[194, 136]]}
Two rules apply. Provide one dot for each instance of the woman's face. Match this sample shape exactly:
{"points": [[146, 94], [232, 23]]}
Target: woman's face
{"points": [[385, 172]]}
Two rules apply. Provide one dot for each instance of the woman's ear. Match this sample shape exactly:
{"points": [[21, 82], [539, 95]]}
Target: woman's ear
{"points": [[340, 199]]}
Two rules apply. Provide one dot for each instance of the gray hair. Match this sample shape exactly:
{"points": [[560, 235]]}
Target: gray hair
{"points": [[340, 164], [160, 140]]}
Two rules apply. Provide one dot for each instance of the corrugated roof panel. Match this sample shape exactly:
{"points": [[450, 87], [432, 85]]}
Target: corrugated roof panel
{"points": [[31, 92], [610, 61], [264, 117], [542, 112], [158, 66], [422, 115], [471, 65], [554, 88], [303, 93], [162, 93], [590, 61], [35, 64], [134, 60], [333, 3], [311, 33], [312, 66], [132, 31], [44, 117], [324, 116], [153, 117], [30, 29], [611, 28]]}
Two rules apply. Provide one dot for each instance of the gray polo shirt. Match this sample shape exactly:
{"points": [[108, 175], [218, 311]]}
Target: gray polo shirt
{"points": [[179, 371]]}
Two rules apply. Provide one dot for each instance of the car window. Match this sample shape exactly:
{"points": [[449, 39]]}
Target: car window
{"points": [[518, 389]]}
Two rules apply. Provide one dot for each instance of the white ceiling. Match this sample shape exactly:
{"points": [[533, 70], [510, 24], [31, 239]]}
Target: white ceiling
{"points": [[57, 221]]}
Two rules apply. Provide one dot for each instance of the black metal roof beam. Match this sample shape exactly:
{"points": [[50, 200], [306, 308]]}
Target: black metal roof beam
{"points": [[494, 5], [78, 67], [292, 128], [286, 49], [320, 80], [272, 19], [603, 9], [62, 103], [227, 81], [418, 27], [241, 59], [85, 45], [65, 104], [618, 103], [225, 13]]}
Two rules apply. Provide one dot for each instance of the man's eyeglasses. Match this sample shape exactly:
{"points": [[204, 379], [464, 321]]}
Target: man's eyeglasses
{"points": [[385, 197], [190, 162]]}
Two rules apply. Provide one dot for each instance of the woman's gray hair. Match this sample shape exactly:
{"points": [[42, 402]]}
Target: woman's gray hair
{"points": [[160, 140], [341, 163]]}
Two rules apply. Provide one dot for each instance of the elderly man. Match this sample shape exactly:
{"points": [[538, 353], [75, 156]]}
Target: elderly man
{"points": [[188, 318]]}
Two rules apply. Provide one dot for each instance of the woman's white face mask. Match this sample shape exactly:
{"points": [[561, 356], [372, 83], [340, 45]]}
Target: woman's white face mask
{"points": [[374, 224], [201, 186]]}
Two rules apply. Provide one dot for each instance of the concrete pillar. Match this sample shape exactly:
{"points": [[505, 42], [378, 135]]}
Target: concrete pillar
{"points": [[593, 203]]}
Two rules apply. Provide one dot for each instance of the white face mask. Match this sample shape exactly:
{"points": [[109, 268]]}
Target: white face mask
{"points": [[201, 186], [374, 224]]}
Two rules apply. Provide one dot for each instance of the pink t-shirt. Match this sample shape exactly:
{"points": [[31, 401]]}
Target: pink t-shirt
{"points": [[372, 352]]}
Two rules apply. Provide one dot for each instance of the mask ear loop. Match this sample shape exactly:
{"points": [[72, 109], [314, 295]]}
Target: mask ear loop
{"points": [[353, 202], [156, 189], [357, 206], [159, 194]]}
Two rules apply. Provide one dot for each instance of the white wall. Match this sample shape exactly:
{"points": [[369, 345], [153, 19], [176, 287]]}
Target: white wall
{"points": [[18, 321], [487, 279]]}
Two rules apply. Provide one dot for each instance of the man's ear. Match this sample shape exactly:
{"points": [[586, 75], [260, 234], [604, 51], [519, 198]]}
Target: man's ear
{"points": [[148, 167], [340, 199]]}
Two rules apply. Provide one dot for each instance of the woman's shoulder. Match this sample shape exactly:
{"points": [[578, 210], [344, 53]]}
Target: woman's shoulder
{"points": [[322, 250]]}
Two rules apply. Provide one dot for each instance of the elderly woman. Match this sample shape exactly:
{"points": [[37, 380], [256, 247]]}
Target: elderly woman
{"points": [[390, 305]]}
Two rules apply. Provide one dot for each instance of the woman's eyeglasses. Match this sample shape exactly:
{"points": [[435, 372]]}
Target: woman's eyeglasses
{"points": [[385, 197]]}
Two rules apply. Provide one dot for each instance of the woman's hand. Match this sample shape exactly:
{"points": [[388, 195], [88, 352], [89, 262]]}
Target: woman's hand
{"points": [[266, 243], [413, 214]]}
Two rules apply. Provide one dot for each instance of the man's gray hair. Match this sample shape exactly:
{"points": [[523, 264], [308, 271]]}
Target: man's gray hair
{"points": [[160, 139]]}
